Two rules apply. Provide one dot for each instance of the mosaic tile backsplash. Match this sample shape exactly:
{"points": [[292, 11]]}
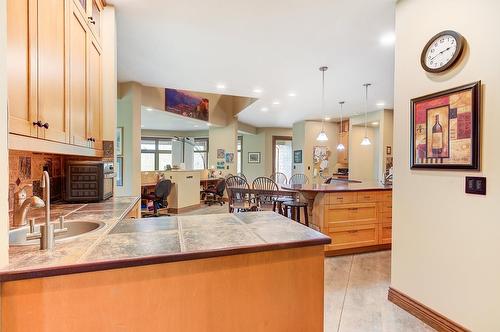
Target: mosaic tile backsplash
{"points": [[25, 173]]}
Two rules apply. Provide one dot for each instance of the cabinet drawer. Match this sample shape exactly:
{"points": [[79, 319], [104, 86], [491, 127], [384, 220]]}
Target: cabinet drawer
{"points": [[342, 198], [353, 236], [385, 233], [385, 217], [367, 196], [351, 214], [385, 206], [385, 196]]}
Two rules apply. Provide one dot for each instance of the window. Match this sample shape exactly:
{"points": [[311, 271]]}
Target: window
{"points": [[200, 153], [156, 153], [239, 161]]}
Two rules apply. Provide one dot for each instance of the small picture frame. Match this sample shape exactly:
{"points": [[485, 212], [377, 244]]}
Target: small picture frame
{"points": [[119, 141], [221, 153], [229, 157], [119, 171], [388, 150], [254, 157], [297, 157]]}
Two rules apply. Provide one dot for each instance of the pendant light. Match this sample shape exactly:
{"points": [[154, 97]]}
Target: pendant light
{"points": [[340, 146], [366, 140], [322, 135]]}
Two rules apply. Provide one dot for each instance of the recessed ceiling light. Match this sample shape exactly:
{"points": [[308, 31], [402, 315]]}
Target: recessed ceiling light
{"points": [[276, 102], [149, 109], [196, 126], [388, 39], [257, 90], [264, 109], [375, 123], [292, 94], [381, 104], [221, 86], [327, 119]]}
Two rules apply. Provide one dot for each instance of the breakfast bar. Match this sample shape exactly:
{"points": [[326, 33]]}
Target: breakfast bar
{"points": [[255, 271], [357, 215]]}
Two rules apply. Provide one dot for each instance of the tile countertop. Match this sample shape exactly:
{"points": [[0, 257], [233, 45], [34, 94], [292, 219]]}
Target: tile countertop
{"points": [[339, 186], [135, 242]]}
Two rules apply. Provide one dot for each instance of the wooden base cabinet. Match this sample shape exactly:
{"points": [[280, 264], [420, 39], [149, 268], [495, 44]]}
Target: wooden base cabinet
{"points": [[357, 220]]}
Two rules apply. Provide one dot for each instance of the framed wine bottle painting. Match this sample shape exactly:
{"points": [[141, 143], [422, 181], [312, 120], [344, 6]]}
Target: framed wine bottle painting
{"points": [[445, 129]]}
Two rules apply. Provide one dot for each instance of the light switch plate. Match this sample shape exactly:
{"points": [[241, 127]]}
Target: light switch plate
{"points": [[475, 185]]}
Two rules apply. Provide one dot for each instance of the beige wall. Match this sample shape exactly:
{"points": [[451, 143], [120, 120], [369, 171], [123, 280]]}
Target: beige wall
{"points": [[129, 117], [363, 159], [446, 243], [4, 179], [304, 138], [223, 138]]}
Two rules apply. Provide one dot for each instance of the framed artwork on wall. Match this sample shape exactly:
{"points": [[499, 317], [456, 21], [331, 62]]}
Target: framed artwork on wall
{"points": [[445, 129], [229, 157], [119, 171], [119, 141], [254, 157], [297, 157], [220, 153]]}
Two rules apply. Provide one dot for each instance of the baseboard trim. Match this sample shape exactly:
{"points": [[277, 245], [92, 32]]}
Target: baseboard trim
{"points": [[184, 209], [359, 250], [432, 318]]}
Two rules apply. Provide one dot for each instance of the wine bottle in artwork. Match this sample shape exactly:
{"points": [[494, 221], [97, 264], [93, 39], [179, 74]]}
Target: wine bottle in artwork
{"points": [[437, 138]]}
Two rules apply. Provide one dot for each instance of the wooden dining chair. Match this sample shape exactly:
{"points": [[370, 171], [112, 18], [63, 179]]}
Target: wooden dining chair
{"points": [[241, 175], [298, 179], [239, 200], [269, 192], [279, 178]]}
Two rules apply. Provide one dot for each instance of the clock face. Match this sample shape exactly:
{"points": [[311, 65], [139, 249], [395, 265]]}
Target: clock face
{"points": [[442, 51]]}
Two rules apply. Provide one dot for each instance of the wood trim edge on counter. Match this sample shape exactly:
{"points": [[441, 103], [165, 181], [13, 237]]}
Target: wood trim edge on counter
{"points": [[358, 250], [25, 143], [424, 313]]}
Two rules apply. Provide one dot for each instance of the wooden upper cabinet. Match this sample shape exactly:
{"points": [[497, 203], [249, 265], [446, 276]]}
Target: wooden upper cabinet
{"points": [[50, 74], [21, 116], [91, 10], [78, 73], [95, 94]]}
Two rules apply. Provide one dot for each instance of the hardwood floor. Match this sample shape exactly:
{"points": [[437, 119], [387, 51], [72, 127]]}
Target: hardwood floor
{"points": [[356, 292]]}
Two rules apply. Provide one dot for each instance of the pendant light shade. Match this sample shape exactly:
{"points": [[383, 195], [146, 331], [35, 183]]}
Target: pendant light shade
{"points": [[340, 146], [322, 135], [366, 141]]}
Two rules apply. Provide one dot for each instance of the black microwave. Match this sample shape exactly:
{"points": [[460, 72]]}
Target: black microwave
{"points": [[89, 181]]}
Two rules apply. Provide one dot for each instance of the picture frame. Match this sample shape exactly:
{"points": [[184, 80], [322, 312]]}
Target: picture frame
{"points": [[119, 171], [254, 157], [297, 156], [119, 141], [445, 129], [388, 150], [229, 157], [221, 153]]}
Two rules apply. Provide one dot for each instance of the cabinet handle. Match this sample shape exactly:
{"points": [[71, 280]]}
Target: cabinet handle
{"points": [[37, 123], [91, 20], [46, 125]]}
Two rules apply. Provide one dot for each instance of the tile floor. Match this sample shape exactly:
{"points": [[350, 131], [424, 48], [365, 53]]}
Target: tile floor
{"points": [[356, 292]]}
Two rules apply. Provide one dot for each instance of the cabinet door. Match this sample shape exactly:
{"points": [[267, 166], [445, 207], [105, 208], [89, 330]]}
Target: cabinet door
{"points": [[51, 39], [77, 85], [21, 116], [94, 84], [95, 18]]}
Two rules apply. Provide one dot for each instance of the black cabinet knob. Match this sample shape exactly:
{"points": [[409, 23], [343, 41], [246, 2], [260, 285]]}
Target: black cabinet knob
{"points": [[45, 125], [37, 123], [91, 20]]}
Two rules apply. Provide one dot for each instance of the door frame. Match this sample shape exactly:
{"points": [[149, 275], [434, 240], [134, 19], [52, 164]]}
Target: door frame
{"points": [[278, 138]]}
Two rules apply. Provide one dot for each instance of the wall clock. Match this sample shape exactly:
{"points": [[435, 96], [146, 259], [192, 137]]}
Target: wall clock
{"points": [[442, 51]]}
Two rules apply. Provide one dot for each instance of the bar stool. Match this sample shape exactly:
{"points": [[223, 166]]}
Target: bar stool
{"points": [[278, 204], [294, 208]]}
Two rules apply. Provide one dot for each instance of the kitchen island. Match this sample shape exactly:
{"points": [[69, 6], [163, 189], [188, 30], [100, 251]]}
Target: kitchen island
{"points": [[357, 215], [254, 271]]}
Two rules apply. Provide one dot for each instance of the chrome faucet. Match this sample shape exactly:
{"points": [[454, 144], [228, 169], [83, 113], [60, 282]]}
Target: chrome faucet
{"points": [[21, 213], [47, 232]]}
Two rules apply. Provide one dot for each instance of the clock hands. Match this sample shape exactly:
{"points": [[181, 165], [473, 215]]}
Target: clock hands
{"points": [[440, 53]]}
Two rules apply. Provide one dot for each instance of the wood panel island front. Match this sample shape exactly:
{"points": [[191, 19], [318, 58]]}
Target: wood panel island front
{"points": [[356, 215]]}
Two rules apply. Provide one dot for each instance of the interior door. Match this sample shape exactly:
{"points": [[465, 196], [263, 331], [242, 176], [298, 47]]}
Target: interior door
{"points": [[283, 155], [77, 68], [51, 39]]}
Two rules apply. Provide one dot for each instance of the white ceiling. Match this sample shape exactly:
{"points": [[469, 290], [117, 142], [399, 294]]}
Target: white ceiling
{"points": [[273, 45], [160, 120]]}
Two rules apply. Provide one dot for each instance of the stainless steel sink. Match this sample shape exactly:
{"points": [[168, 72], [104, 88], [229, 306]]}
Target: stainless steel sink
{"points": [[17, 237]]}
